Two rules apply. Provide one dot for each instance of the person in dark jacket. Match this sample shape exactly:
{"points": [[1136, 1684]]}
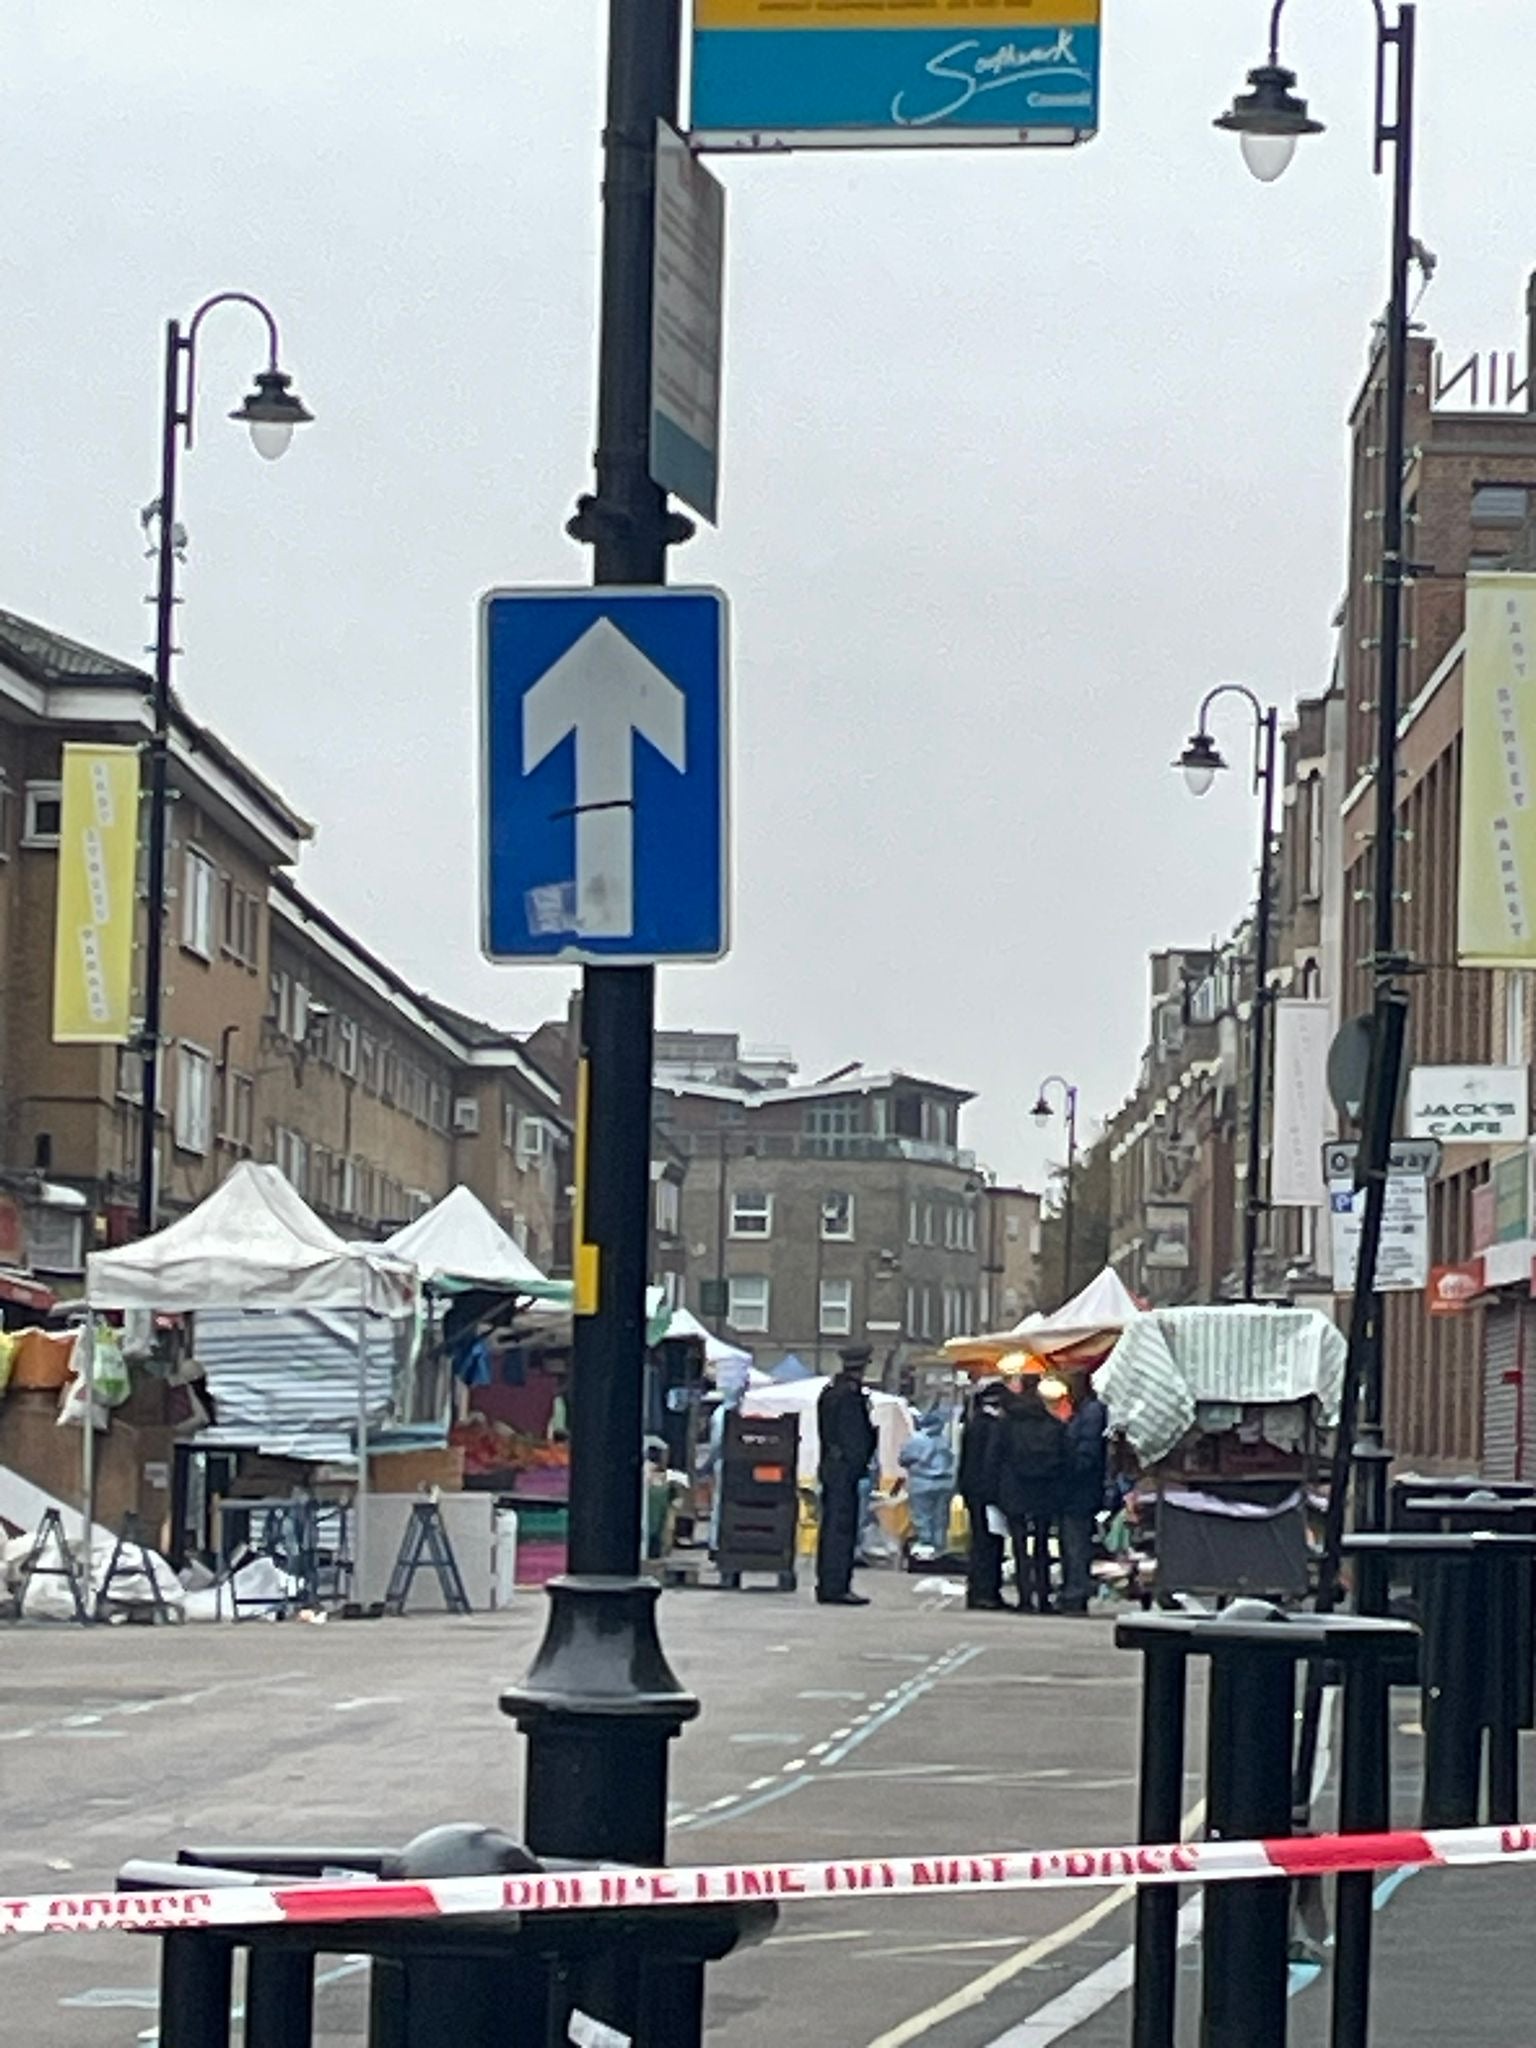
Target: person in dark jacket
{"points": [[1082, 1497], [976, 1483], [1031, 1470], [848, 1442]]}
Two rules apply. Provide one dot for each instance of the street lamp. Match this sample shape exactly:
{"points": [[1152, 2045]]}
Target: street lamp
{"points": [[271, 410], [1202, 762], [1042, 1113], [1269, 120]]}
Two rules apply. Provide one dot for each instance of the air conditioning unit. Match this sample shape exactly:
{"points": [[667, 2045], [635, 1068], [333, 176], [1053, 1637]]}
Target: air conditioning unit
{"points": [[466, 1117]]}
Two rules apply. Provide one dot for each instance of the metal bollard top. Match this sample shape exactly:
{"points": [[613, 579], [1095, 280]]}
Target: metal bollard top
{"points": [[1442, 1543], [1255, 1627]]}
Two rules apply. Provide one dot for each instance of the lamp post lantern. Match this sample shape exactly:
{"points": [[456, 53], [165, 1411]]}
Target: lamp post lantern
{"points": [[271, 410], [1042, 1113], [1202, 762]]}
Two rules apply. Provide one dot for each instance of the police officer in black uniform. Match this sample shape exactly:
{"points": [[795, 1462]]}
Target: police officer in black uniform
{"points": [[847, 1431]]}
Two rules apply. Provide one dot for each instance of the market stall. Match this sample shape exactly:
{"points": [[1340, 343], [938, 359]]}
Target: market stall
{"points": [[1078, 1336], [1220, 1416], [255, 1246]]}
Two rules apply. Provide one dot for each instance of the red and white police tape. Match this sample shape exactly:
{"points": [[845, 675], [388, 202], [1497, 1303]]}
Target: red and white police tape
{"points": [[622, 1889]]}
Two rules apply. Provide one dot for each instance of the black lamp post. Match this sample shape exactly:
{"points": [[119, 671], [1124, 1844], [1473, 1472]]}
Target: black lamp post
{"points": [[1269, 120], [271, 411], [1042, 1114], [1201, 762]]}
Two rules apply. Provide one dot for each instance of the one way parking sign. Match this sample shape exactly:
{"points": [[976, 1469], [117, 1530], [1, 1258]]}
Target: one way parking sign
{"points": [[604, 734]]}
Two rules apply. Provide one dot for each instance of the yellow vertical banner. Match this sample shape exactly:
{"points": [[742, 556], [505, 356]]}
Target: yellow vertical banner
{"points": [[1496, 923], [586, 1260], [97, 896]]}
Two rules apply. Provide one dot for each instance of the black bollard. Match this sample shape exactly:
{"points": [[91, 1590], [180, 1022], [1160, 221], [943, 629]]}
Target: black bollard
{"points": [[195, 1977], [279, 1998], [1473, 1587], [1255, 1651], [1159, 1819]]}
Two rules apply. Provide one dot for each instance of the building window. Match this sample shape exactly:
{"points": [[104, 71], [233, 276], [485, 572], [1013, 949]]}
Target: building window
{"points": [[968, 1229], [346, 1040], [751, 1213], [747, 1302], [668, 1207], [930, 1224], [532, 1141], [194, 1098], [56, 1240], [6, 806], [43, 816], [926, 1329], [837, 1216], [239, 1111], [199, 901], [914, 1223], [830, 1129], [1013, 1229], [836, 1317], [1499, 505], [346, 1186], [130, 1074], [911, 1311], [437, 1107]]}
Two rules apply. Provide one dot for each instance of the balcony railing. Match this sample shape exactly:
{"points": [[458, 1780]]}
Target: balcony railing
{"points": [[859, 1145]]}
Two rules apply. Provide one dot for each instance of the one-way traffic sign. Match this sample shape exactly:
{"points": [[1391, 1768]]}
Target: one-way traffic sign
{"points": [[605, 775]]}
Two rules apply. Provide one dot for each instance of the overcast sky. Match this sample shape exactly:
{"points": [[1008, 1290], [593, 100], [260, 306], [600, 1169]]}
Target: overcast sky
{"points": [[1023, 450]]}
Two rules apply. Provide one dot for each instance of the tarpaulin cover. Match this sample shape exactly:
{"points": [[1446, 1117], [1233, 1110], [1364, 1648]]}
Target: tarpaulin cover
{"points": [[1170, 1360]]}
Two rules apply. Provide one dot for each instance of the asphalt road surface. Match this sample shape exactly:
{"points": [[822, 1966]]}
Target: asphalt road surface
{"points": [[911, 1725]]}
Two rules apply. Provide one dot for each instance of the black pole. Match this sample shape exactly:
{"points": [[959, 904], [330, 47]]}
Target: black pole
{"points": [[1369, 1358], [159, 784], [600, 1703], [1069, 1221], [1160, 1817], [1254, 1203], [1245, 1979]]}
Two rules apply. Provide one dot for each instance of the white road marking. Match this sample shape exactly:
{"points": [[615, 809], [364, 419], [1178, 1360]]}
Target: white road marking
{"points": [[855, 1696], [1086, 1999], [378, 1699], [969, 1996]]}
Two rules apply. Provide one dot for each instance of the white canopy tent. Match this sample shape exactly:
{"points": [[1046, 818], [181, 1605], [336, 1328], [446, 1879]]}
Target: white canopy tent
{"points": [[685, 1326], [256, 1244], [892, 1418], [459, 1241], [1089, 1322]]}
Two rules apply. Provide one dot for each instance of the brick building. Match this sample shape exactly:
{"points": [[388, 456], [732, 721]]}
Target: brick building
{"points": [[285, 1038]]}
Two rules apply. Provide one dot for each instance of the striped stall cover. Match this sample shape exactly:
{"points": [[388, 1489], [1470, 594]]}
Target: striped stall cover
{"points": [[1170, 1360], [287, 1378]]}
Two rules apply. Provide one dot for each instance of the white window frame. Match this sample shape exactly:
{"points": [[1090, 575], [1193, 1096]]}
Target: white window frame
{"points": [[346, 1047], [842, 1235], [748, 1302], [914, 1221], [748, 1204], [199, 903], [532, 1141], [834, 1308], [36, 794], [669, 1207], [193, 1128]]}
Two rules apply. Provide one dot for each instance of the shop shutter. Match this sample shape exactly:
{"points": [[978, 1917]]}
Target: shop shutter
{"points": [[1502, 1359]]}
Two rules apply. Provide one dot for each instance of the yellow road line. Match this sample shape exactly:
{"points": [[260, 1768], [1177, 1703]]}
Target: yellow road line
{"points": [[969, 1996]]}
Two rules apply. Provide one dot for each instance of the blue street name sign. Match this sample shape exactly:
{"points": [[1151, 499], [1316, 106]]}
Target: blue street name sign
{"points": [[605, 776]]}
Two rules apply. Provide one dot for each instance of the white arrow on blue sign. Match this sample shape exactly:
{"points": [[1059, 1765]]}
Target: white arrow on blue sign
{"points": [[604, 740]]}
